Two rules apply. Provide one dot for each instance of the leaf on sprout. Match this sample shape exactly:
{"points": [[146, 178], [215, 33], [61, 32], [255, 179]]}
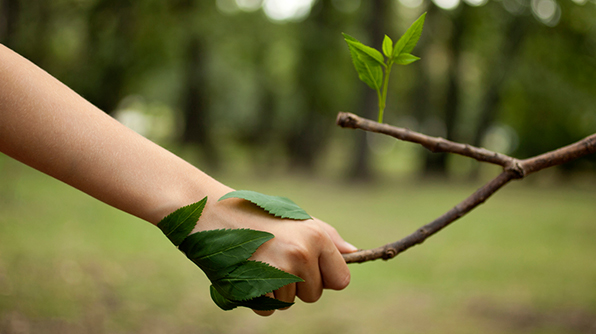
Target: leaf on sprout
{"points": [[177, 225], [278, 206], [409, 40], [367, 61], [405, 59], [387, 46], [366, 53]]}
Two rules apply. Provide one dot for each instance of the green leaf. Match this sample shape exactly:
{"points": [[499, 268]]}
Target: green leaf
{"points": [[369, 69], [405, 59], [409, 40], [252, 279], [387, 46], [218, 252], [223, 254], [278, 206], [177, 225], [261, 303], [367, 54], [221, 301]]}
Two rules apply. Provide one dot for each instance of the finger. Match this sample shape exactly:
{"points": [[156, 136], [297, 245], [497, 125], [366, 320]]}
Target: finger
{"points": [[342, 245], [286, 293], [311, 289], [334, 270], [265, 313]]}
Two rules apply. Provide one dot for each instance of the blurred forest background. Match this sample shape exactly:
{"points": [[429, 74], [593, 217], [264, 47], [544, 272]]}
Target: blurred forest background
{"points": [[264, 80], [248, 90]]}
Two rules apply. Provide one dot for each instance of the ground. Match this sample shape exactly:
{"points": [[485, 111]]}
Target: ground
{"points": [[523, 262]]}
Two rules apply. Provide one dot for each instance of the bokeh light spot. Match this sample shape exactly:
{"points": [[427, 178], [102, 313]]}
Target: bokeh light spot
{"points": [[287, 10], [447, 4]]}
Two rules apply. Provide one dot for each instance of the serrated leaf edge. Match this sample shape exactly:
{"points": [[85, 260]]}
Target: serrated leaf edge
{"points": [[262, 205], [407, 37], [235, 303], [266, 236], [263, 292], [200, 206]]}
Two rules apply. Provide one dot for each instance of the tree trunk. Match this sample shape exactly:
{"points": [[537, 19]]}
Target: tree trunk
{"points": [[307, 138], [9, 15], [436, 165], [196, 105], [515, 32], [111, 70]]}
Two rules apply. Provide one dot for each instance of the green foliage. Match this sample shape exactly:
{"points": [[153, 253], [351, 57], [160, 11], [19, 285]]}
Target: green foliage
{"points": [[369, 63], [223, 254], [177, 225], [218, 252], [261, 303], [369, 68], [387, 46], [251, 279], [278, 206], [409, 40]]}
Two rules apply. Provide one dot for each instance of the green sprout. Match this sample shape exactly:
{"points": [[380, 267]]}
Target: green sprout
{"points": [[370, 63]]}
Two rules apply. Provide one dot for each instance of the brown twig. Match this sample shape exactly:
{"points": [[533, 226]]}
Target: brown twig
{"points": [[434, 144], [512, 169]]}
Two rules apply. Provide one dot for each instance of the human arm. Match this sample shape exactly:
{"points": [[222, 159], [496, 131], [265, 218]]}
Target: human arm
{"points": [[49, 127]]}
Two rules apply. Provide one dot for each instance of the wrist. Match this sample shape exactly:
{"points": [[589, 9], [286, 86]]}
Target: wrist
{"points": [[192, 188]]}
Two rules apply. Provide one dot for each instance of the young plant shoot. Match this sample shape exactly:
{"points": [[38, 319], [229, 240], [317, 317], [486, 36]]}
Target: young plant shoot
{"points": [[374, 69]]}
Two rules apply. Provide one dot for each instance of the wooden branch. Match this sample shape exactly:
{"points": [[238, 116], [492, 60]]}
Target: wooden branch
{"points": [[512, 169], [434, 144]]}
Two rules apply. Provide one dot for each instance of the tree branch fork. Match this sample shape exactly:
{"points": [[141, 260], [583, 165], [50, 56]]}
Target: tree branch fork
{"points": [[512, 169]]}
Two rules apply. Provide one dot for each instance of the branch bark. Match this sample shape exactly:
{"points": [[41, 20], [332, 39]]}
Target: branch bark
{"points": [[512, 169]]}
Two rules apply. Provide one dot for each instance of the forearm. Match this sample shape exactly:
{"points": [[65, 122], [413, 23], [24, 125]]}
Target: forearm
{"points": [[49, 127], [46, 125]]}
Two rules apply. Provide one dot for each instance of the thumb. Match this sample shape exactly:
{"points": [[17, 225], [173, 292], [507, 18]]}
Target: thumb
{"points": [[342, 246]]}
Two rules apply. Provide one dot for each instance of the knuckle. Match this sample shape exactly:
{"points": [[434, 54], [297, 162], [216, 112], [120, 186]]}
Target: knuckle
{"points": [[315, 231], [300, 254]]}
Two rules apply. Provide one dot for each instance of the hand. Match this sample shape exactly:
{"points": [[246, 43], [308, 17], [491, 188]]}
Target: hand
{"points": [[310, 249]]}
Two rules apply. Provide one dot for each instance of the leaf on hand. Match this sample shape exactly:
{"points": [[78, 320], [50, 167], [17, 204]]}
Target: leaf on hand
{"points": [[177, 225], [218, 252], [387, 46], [369, 64], [278, 206], [261, 303], [252, 279], [405, 59], [223, 254], [409, 40]]}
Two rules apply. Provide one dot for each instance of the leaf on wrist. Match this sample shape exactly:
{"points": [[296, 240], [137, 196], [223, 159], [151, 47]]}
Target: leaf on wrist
{"points": [[218, 252], [278, 206], [223, 254], [261, 303], [177, 225], [252, 279]]}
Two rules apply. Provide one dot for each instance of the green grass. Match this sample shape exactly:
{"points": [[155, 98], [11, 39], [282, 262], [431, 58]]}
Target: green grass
{"points": [[521, 263]]}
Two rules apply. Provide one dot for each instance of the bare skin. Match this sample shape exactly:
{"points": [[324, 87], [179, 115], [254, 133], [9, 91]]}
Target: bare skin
{"points": [[49, 127]]}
